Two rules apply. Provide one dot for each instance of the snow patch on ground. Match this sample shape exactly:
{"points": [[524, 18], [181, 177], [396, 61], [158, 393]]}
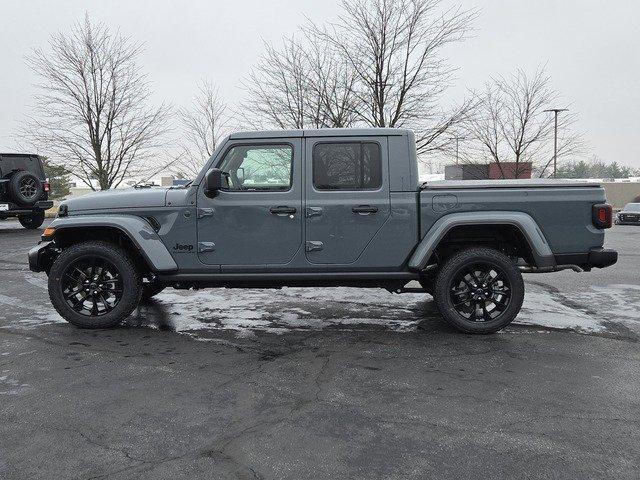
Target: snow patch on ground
{"points": [[247, 312], [10, 386], [280, 311], [542, 309]]}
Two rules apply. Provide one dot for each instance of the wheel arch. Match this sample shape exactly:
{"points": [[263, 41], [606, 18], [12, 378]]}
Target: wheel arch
{"points": [[484, 228], [132, 233]]}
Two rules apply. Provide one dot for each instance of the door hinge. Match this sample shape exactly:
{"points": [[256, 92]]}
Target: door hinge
{"points": [[205, 212], [314, 212], [313, 246], [206, 247]]}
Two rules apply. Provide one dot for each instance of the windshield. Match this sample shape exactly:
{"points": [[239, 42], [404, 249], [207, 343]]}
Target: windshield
{"points": [[632, 207]]}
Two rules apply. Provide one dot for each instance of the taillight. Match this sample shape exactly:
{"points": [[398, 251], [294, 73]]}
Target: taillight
{"points": [[47, 186], [602, 215]]}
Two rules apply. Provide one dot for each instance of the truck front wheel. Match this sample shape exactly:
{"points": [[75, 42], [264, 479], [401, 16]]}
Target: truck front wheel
{"points": [[479, 290], [94, 285]]}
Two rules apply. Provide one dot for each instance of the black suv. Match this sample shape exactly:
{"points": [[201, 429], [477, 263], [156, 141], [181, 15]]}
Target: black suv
{"points": [[24, 190]]}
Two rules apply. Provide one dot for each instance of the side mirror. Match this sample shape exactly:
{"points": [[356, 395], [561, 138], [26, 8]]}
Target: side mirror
{"points": [[212, 182]]}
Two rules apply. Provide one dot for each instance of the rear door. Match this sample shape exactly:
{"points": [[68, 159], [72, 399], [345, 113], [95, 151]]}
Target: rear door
{"points": [[347, 196]]}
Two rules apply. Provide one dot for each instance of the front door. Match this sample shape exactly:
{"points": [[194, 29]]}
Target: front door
{"points": [[256, 220], [347, 196]]}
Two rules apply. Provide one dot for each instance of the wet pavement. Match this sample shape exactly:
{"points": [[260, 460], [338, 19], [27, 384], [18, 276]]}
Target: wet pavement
{"points": [[322, 383]]}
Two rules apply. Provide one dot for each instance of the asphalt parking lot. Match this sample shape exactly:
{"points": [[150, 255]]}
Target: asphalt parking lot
{"points": [[335, 383]]}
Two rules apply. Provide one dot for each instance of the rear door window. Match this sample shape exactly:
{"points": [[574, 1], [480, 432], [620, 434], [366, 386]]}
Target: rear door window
{"points": [[347, 166]]}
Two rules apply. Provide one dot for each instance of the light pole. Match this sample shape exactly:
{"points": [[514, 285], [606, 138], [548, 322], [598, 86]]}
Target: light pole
{"points": [[457, 139], [556, 111]]}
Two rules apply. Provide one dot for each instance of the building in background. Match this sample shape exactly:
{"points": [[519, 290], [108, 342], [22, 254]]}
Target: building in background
{"points": [[493, 171], [510, 170], [466, 172]]}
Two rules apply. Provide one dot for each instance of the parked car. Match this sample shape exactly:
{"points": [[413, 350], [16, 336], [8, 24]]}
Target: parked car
{"points": [[23, 189], [340, 207], [629, 215]]}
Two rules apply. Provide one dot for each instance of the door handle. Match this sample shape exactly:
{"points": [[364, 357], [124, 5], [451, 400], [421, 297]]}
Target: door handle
{"points": [[364, 209], [204, 247], [314, 212], [283, 210], [204, 212]]}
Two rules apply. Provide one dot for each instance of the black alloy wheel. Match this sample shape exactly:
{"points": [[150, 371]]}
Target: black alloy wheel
{"points": [[28, 187], [479, 290], [92, 286]]}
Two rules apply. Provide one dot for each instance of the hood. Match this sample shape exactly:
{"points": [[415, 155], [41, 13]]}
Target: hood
{"points": [[120, 198]]}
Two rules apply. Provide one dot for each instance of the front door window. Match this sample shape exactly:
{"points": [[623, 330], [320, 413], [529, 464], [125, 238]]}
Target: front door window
{"points": [[258, 167]]}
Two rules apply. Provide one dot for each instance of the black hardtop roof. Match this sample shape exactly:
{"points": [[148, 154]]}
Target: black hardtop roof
{"points": [[321, 132]]}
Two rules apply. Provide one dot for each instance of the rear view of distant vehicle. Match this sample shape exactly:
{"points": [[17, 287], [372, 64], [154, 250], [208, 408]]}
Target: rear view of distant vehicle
{"points": [[24, 190], [629, 215]]}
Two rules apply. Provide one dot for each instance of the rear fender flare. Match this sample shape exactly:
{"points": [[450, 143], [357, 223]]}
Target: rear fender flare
{"points": [[137, 229], [531, 231]]}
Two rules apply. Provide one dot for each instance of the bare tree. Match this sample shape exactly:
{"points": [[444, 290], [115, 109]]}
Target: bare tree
{"points": [[512, 129], [203, 126], [277, 88], [302, 85], [395, 49], [91, 112], [330, 86]]}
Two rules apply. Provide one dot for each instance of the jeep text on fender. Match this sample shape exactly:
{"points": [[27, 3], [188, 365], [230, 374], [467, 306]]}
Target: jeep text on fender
{"points": [[339, 207]]}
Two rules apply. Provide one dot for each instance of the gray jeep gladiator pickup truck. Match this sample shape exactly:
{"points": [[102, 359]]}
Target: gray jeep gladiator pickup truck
{"points": [[321, 208]]}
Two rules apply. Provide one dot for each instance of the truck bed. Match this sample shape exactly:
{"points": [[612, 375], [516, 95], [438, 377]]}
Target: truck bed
{"points": [[562, 209]]}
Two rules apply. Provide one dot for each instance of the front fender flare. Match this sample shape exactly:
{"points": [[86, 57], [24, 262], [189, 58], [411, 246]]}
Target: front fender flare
{"points": [[540, 248], [137, 229]]}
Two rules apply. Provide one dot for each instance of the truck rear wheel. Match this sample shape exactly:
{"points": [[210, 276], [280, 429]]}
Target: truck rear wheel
{"points": [[94, 285], [32, 221], [479, 290]]}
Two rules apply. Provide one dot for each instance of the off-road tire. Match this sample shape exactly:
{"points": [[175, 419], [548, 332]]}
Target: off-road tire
{"points": [[455, 266], [18, 188], [32, 221], [131, 283], [150, 290]]}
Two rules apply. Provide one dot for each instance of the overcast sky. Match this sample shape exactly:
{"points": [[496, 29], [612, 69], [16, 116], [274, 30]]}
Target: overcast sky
{"points": [[591, 48]]}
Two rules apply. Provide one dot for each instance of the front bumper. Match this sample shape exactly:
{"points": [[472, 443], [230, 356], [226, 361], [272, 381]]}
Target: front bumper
{"points": [[39, 257]]}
